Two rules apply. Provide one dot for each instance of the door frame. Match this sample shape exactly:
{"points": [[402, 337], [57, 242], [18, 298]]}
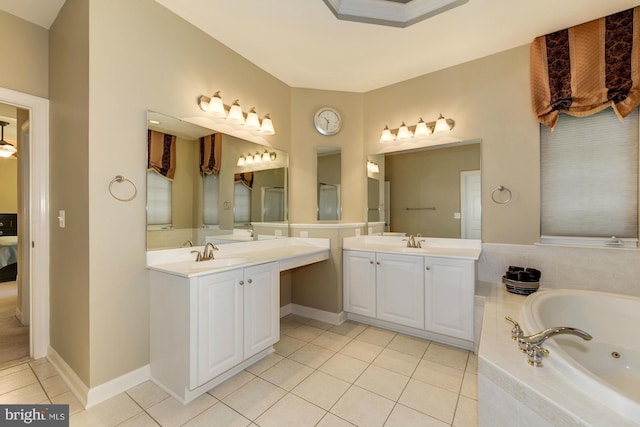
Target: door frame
{"points": [[38, 207]]}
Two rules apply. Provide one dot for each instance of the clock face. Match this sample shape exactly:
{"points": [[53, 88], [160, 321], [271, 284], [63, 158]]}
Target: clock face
{"points": [[327, 121]]}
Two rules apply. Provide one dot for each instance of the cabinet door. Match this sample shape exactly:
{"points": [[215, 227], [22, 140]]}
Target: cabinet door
{"points": [[449, 297], [261, 308], [400, 289], [219, 324], [359, 283]]}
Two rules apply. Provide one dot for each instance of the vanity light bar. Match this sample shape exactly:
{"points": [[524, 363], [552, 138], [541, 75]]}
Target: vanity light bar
{"points": [[256, 158], [216, 107], [418, 130]]}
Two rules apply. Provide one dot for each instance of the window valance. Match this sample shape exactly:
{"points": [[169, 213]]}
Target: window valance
{"points": [[161, 156], [587, 68], [210, 154], [245, 178]]}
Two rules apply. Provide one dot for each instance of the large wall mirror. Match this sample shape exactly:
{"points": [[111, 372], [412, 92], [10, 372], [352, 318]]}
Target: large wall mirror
{"points": [[329, 177], [434, 191], [222, 189]]}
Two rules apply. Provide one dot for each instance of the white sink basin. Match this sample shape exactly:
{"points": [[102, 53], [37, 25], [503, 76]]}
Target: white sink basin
{"points": [[215, 263]]}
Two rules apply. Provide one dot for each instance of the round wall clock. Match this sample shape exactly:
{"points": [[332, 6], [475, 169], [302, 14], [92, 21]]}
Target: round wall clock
{"points": [[327, 121]]}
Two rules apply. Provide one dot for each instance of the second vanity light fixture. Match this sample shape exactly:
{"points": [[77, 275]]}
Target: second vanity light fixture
{"points": [[234, 113], [256, 158], [421, 129]]}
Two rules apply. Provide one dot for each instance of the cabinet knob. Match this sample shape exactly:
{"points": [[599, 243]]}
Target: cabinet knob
{"points": [[370, 262], [378, 262], [250, 281], [428, 268], [241, 282]]}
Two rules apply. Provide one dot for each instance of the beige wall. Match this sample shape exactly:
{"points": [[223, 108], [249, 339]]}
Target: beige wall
{"points": [[489, 99], [143, 57], [69, 185], [184, 184], [429, 178], [305, 139], [9, 180], [25, 53]]}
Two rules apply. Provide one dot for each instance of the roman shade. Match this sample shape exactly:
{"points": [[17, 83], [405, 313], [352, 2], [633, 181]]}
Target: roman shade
{"points": [[587, 68], [161, 156], [210, 154]]}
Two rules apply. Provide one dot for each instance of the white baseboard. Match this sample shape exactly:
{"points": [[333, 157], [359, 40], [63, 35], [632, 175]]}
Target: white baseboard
{"points": [[314, 313], [89, 397], [118, 385], [76, 385], [20, 316]]}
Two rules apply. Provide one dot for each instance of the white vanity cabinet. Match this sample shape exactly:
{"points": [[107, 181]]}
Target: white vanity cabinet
{"points": [[449, 296], [385, 286], [204, 327], [238, 317]]}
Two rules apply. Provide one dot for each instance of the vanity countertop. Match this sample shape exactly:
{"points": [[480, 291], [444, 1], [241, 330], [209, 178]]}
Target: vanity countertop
{"points": [[290, 252], [431, 246]]}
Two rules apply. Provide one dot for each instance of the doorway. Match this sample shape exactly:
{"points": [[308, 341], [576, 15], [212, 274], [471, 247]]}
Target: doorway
{"points": [[470, 205], [31, 287]]}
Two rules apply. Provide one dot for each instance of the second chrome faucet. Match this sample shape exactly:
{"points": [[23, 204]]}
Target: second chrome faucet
{"points": [[207, 252]]}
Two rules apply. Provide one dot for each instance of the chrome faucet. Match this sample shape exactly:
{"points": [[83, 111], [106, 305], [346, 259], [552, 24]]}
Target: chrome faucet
{"points": [[412, 242], [207, 252]]}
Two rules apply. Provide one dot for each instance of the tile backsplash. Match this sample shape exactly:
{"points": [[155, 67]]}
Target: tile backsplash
{"points": [[601, 269]]}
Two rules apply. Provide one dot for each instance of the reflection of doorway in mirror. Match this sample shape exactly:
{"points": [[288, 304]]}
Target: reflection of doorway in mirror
{"points": [[328, 202], [470, 204], [272, 204]]}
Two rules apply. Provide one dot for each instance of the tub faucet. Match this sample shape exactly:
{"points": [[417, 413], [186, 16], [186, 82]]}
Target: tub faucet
{"points": [[531, 345]]}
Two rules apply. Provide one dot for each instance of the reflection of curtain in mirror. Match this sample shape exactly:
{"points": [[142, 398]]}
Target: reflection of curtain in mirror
{"points": [[328, 202], [161, 153], [273, 204], [210, 154]]}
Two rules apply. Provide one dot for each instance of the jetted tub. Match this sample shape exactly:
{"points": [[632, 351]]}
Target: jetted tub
{"points": [[608, 366]]}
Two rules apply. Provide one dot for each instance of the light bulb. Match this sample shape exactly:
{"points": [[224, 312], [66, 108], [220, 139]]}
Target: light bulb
{"points": [[441, 125], [265, 156], [422, 128], [235, 113], [216, 106], [267, 125], [386, 136], [404, 132], [252, 121], [249, 159], [241, 161], [257, 158]]}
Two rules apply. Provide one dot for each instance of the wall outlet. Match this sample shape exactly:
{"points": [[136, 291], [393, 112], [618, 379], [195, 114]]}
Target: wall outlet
{"points": [[62, 219], [456, 215], [304, 234]]}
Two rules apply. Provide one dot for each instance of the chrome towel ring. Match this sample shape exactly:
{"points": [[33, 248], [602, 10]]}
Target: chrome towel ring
{"points": [[121, 179], [501, 188]]}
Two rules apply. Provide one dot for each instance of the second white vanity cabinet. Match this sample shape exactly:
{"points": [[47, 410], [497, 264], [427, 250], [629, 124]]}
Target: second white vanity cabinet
{"points": [[385, 286]]}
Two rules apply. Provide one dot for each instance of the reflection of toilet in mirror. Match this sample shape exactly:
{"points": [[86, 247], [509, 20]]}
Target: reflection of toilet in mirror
{"points": [[328, 202]]}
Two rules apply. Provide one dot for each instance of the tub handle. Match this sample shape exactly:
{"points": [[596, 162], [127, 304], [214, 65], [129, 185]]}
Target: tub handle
{"points": [[516, 332], [536, 354]]}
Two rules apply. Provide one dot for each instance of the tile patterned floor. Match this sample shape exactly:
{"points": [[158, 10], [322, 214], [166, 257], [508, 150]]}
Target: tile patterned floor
{"points": [[320, 375]]}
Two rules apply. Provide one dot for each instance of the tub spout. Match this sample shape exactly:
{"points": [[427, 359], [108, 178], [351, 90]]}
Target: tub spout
{"points": [[526, 343]]}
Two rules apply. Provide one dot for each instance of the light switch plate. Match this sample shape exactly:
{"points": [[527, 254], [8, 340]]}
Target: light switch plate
{"points": [[61, 219]]}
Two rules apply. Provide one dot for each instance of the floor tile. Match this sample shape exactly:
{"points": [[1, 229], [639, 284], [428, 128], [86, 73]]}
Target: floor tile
{"points": [[232, 384], [264, 364], [219, 415], [68, 398], [85, 419], [286, 324], [288, 345], [286, 374], [330, 420], [446, 355], [344, 367], [253, 398], [54, 386], [409, 345], [466, 413], [291, 411], [331, 340], [429, 399], [44, 369], [312, 355], [13, 369], [319, 324], [401, 416], [304, 333], [141, 420], [170, 412], [439, 375], [147, 394], [377, 336], [117, 409], [470, 385], [296, 318], [349, 329], [28, 394], [321, 389], [472, 363], [362, 350], [363, 408], [383, 382], [17, 380], [396, 361]]}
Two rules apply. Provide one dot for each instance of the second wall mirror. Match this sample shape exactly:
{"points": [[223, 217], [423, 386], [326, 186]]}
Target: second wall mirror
{"points": [[329, 176]]}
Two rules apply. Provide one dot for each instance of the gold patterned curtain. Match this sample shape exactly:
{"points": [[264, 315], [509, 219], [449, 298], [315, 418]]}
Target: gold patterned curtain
{"points": [[244, 177], [210, 154], [161, 148], [587, 68]]}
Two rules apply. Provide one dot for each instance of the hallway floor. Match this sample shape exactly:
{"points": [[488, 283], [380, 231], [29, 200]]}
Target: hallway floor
{"points": [[14, 337], [320, 375]]}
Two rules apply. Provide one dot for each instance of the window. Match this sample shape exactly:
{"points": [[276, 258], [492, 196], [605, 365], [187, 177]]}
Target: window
{"points": [[589, 180], [158, 201], [211, 190], [241, 204]]}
